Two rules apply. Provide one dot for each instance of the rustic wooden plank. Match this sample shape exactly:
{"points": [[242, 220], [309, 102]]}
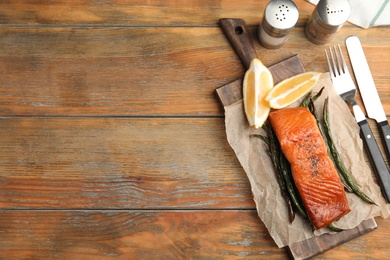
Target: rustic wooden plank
{"points": [[146, 234], [142, 71], [134, 234], [119, 163], [135, 13], [137, 71]]}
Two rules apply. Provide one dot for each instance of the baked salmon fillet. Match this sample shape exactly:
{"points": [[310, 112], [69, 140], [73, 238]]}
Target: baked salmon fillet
{"points": [[313, 171]]}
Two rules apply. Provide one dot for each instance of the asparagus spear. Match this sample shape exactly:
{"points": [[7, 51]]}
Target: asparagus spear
{"points": [[338, 160], [273, 153], [309, 98]]}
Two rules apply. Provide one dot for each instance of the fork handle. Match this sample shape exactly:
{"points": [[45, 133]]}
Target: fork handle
{"points": [[376, 158]]}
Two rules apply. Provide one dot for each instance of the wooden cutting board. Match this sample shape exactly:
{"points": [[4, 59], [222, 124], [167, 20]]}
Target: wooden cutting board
{"points": [[232, 92]]}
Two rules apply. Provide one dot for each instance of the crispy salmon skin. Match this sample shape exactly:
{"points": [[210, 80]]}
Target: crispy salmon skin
{"points": [[314, 173]]}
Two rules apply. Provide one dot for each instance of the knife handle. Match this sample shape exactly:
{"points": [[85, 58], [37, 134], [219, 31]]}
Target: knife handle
{"points": [[384, 131], [238, 34], [376, 157]]}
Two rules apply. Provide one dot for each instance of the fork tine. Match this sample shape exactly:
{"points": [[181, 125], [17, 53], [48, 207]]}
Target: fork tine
{"points": [[327, 60], [332, 74], [335, 68], [337, 57], [340, 59], [345, 69]]}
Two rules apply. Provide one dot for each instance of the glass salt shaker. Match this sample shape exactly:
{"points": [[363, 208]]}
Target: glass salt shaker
{"points": [[280, 17], [327, 18]]}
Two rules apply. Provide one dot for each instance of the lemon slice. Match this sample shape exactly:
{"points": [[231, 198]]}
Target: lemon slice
{"points": [[291, 89], [257, 83]]}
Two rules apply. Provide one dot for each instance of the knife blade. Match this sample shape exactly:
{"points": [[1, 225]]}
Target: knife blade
{"points": [[367, 89]]}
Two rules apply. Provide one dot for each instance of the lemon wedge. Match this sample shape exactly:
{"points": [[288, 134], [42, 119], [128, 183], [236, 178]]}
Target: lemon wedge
{"points": [[291, 89], [256, 85]]}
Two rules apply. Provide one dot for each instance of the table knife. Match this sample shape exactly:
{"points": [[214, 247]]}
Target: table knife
{"points": [[367, 89]]}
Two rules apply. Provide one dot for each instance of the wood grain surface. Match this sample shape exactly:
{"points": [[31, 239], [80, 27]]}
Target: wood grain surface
{"points": [[140, 234], [95, 163], [112, 137]]}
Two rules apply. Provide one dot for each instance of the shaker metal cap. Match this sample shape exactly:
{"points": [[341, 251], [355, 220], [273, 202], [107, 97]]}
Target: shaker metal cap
{"points": [[281, 14], [334, 12]]}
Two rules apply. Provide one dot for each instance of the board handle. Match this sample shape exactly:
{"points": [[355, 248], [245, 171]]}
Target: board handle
{"points": [[237, 32]]}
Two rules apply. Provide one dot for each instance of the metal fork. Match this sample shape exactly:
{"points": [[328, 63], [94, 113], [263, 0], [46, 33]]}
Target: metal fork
{"points": [[345, 87], [342, 80]]}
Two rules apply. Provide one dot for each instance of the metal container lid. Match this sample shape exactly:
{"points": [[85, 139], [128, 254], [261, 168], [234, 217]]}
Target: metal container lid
{"points": [[333, 12], [280, 15]]}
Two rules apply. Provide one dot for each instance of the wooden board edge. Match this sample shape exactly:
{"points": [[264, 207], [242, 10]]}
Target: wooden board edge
{"points": [[309, 248], [230, 93]]}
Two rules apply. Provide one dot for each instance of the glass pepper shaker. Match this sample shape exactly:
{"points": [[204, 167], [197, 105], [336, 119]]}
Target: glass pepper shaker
{"points": [[327, 18]]}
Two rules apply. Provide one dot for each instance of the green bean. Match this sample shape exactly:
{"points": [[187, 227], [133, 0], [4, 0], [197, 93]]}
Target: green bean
{"points": [[309, 98], [316, 96], [338, 160], [294, 195], [306, 100], [274, 155]]}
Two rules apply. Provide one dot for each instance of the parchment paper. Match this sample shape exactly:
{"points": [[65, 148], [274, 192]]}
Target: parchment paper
{"points": [[271, 207]]}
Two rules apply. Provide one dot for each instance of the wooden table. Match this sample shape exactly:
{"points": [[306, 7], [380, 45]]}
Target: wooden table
{"points": [[112, 138]]}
